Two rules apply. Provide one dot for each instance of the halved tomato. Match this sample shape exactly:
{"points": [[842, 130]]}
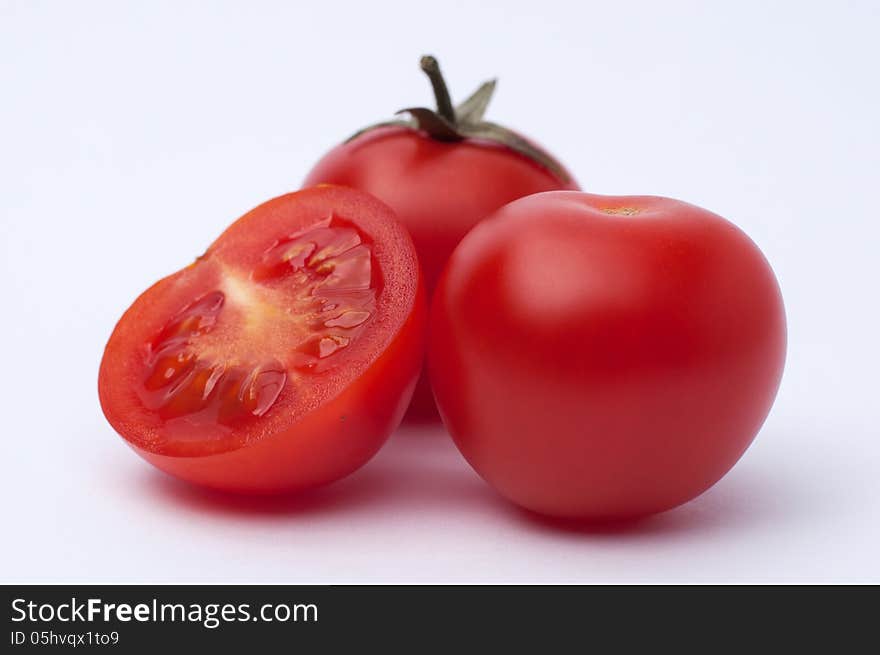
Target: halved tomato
{"points": [[283, 357]]}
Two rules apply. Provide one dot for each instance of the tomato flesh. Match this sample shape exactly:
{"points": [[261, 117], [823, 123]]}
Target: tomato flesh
{"points": [[182, 377], [280, 315]]}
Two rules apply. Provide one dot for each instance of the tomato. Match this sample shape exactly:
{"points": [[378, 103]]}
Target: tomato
{"points": [[442, 172], [599, 357], [280, 359]]}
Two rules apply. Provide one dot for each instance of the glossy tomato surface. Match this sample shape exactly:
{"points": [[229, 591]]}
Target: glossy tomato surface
{"points": [[280, 359], [600, 357], [438, 189]]}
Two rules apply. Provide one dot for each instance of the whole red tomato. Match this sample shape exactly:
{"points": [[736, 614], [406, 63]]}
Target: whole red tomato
{"points": [[602, 357], [442, 172], [280, 359]]}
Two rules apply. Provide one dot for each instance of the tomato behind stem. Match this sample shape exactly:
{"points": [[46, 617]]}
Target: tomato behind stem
{"points": [[442, 172]]}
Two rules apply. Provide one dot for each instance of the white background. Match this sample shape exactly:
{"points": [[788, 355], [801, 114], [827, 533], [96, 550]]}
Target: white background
{"points": [[131, 134]]}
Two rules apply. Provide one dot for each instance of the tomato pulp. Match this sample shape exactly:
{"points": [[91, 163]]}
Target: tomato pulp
{"points": [[442, 173], [280, 359], [600, 357]]}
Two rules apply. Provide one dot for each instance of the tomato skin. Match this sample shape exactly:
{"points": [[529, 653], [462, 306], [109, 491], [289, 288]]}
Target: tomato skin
{"points": [[439, 191], [315, 433], [601, 358]]}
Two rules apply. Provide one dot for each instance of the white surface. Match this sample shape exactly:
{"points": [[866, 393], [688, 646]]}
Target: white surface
{"points": [[132, 133]]}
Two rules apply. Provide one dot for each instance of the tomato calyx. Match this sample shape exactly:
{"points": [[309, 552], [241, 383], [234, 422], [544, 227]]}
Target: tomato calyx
{"points": [[456, 123]]}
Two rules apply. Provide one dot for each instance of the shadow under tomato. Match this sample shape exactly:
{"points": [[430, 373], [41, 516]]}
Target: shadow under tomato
{"points": [[415, 475], [413, 472], [677, 520], [746, 498]]}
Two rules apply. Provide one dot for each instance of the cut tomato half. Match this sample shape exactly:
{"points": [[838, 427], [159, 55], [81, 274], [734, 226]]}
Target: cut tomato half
{"points": [[280, 359]]}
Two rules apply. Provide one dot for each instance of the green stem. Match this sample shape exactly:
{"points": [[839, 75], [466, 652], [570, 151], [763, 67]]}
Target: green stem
{"points": [[441, 93]]}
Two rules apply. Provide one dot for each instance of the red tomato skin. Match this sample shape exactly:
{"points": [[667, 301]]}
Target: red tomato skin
{"points": [[342, 426], [605, 366], [439, 191]]}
